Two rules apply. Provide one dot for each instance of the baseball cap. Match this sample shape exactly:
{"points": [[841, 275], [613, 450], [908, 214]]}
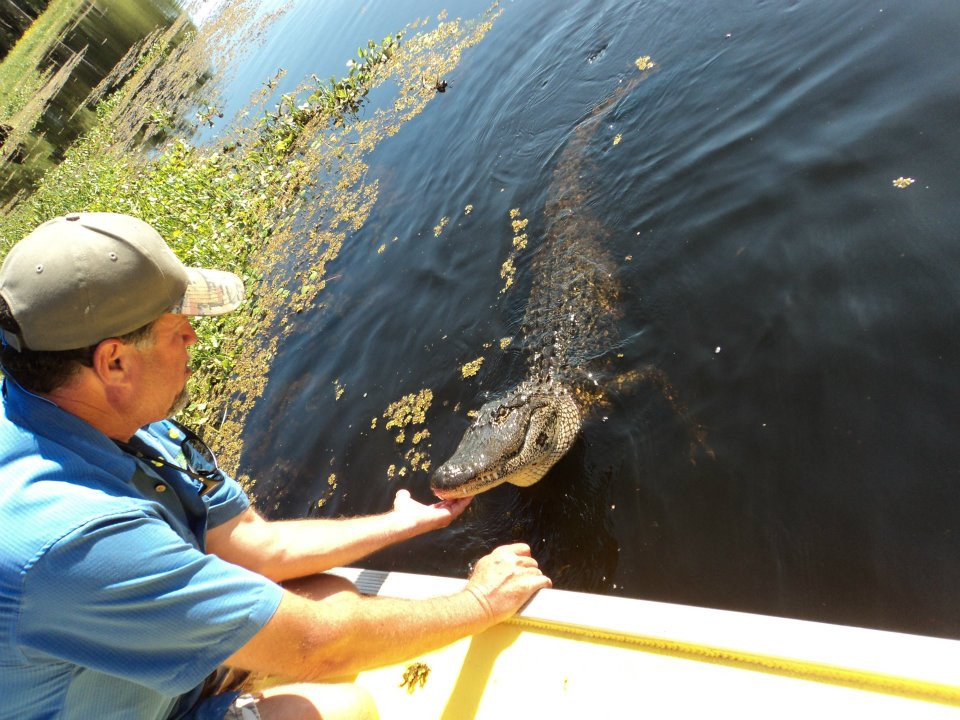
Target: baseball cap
{"points": [[78, 279]]}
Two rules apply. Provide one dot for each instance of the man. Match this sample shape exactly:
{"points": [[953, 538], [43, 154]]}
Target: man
{"points": [[130, 567]]}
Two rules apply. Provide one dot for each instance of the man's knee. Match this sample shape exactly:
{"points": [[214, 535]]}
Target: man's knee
{"points": [[317, 701]]}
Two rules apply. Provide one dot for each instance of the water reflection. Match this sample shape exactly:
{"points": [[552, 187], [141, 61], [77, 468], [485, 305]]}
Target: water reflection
{"points": [[89, 45]]}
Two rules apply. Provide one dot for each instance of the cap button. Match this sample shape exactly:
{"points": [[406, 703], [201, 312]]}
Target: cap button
{"points": [[72, 217], [160, 488]]}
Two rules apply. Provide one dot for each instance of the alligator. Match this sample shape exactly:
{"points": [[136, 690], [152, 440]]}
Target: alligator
{"points": [[568, 322]]}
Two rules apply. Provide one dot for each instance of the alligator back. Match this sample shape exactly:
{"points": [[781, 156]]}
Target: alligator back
{"points": [[569, 320]]}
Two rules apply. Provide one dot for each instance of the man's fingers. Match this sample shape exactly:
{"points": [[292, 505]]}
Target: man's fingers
{"points": [[544, 583], [516, 549], [456, 506]]}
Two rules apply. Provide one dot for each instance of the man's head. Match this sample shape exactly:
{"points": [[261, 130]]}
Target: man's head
{"points": [[84, 280]]}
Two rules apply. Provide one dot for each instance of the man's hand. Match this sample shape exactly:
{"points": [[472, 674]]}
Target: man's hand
{"points": [[505, 579], [427, 517]]}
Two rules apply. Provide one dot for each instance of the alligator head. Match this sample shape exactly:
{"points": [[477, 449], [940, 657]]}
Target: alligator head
{"points": [[515, 438]]}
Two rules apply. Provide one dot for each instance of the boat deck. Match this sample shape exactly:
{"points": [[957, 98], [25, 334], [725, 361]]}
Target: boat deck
{"points": [[577, 655]]}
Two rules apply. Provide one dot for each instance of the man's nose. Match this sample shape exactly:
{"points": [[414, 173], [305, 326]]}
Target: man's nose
{"points": [[189, 334]]}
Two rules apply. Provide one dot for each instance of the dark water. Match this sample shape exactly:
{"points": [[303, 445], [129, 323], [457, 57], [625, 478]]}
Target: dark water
{"points": [[804, 309]]}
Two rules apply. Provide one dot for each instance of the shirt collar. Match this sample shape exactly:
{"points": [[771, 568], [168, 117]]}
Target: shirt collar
{"points": [[44, 418]]}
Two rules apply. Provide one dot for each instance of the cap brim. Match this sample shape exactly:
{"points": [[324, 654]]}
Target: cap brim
{"points": [[210, 292]]}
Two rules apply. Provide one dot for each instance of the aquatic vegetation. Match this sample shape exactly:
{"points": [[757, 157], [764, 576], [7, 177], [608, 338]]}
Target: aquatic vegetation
{"points": [[415, 675], [409, 410], [324, 184], [331, 487], [507, 272], [471, 368], [508, 269], [407, 413], [644, 63], [293, 181], [44, 78]]}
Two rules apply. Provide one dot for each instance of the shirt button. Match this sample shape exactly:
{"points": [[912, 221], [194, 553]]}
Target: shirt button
{"points": [[160, 487]]}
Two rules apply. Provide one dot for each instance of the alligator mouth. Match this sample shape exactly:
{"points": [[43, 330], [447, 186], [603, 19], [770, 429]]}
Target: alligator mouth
{"points": [[464, 479], [451, 482]]}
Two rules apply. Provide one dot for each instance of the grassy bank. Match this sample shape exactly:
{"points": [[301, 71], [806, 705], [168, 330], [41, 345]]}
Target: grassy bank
{"points": [[291, 185], [20, 75]]}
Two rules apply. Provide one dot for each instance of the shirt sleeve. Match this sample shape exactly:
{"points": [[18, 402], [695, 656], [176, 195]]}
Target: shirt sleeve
{"points": [[227, 501], [125, 595]]}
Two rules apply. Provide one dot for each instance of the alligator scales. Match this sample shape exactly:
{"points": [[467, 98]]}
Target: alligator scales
{"points": [[569, 320]]}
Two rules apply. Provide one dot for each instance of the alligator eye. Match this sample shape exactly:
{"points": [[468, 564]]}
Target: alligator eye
{"points": [[501, 413], [541, 440]]}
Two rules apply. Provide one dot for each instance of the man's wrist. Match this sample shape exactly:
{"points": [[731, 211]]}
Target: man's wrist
{"points": [[481, 598]]}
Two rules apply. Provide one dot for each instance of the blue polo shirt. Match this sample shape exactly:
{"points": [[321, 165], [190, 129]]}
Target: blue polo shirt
{"points": [[109, 606]]}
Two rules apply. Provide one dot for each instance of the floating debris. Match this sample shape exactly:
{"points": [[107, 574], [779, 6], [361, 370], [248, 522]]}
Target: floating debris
{"points": [[332, 483], [617, 139], [505, 342], [902, 182], [468, 209], [415, 675], [339, 388], [471, 368], [439, 228], [644, 63], [410, 410], [507, 271]]}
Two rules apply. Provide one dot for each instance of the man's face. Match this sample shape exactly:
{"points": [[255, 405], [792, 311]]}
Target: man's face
{"points": [[164, 367]]}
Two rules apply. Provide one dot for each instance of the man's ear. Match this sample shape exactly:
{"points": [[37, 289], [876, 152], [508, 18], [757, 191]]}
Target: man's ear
{"points": [[111, 361]]}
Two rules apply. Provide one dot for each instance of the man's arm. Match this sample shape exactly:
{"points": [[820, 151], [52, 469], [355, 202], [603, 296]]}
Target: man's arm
{"points": [[313, 640], [288, 549]]}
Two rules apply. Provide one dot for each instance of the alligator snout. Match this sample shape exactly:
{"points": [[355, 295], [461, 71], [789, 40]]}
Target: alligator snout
{"points": [[514, 439]]}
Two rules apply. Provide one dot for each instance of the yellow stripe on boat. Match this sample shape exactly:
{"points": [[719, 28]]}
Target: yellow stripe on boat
{"points": [[577, 655]]}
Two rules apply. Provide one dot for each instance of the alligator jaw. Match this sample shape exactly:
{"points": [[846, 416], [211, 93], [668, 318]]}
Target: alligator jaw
{"points": [[515, 439]]}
